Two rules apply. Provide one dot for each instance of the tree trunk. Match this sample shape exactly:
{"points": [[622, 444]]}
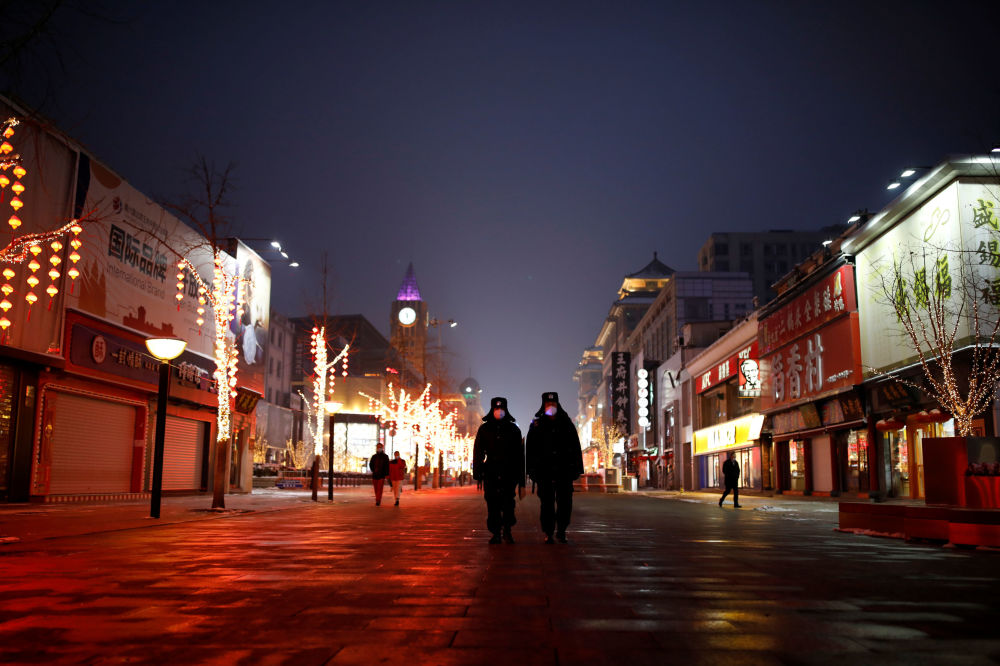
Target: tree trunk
{"points": [[221, 476]]}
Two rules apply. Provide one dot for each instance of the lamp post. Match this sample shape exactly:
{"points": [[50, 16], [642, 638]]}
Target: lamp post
{"points": [[331, 408], [164, 349]]}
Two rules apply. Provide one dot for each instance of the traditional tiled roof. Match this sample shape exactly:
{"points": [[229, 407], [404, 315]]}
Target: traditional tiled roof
{"points": [[652, 270]]}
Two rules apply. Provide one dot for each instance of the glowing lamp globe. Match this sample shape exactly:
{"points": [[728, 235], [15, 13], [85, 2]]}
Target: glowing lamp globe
{"points": [[165, 349], [333, 407]]}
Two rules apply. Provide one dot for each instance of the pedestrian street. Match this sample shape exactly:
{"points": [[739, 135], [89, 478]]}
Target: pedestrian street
{"points": [[643, 580]]}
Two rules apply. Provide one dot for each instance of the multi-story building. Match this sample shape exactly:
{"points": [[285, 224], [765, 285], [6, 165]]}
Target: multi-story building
{"points": [[687, 297], [765, 255], [72, 338], [725, 409], [277, 421]]}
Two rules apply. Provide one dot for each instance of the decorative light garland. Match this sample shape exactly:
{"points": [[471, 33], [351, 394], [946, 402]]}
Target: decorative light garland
{"points": [[20, 247], [419, 418]]}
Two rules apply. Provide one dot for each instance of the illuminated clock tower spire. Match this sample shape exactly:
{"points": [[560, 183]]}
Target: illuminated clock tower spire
{"points": [[408, 325]]}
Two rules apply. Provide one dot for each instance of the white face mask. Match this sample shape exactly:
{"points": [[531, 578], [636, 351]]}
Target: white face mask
{"points": [[499, 414], [550, 410]]}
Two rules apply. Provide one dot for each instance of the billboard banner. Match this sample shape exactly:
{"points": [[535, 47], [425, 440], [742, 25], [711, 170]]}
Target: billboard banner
{"points": [[948, 249], [250, 330], [129, 275]]}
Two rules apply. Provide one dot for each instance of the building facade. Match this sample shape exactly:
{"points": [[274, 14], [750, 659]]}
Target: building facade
{"points": [[765, 255]]}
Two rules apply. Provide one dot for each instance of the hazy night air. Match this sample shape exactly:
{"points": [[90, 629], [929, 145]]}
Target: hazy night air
{"points": [[524, 157]]}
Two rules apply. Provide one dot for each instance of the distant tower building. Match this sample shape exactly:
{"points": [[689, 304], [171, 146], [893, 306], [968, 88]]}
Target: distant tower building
{"points": [[765, 255], [408, 326]]}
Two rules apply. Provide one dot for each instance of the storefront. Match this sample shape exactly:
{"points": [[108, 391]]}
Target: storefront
{"points": [[110, 379], [810, 356], [823, 447], [17, 410], [903, 421], [741, 436], [927, 246]]}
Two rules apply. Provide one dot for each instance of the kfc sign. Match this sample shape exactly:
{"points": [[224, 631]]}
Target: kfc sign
{"points": [[732, 366]]}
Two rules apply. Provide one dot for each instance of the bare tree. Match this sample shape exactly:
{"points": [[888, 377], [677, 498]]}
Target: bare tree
{"points": [[205, 211]]}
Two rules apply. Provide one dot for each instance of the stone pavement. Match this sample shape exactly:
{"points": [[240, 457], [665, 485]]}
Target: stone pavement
{"points": [[644, 580]]}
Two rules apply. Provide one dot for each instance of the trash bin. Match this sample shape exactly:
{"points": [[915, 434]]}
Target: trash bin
{"points": [[630, 484]]}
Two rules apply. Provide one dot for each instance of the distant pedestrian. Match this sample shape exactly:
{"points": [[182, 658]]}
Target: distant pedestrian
{"points": [[397, 472], [498, 465], [379, 465], [555, 461], [731, 476]]}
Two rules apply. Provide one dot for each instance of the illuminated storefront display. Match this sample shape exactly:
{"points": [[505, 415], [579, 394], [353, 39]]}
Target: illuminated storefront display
{"points": [[734, 434]]}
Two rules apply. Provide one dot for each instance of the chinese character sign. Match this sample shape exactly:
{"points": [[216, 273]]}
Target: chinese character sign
{"points": [[830, 298], [130, 277], [620, 388], [824, 361]]}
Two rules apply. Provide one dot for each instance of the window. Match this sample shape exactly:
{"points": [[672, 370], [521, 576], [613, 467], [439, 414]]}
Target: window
{"points": [[746, 250], [721, 265], [722, 248]]}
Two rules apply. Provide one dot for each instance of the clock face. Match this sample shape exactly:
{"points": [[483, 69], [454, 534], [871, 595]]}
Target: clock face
{"points": [[407, 316]]}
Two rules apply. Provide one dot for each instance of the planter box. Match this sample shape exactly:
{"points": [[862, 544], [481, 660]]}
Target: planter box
{"points": [[946, 460]]}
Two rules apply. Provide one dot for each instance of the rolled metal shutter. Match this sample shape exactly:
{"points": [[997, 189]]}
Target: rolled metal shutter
{"points": [[91, 446], [182, 454]]}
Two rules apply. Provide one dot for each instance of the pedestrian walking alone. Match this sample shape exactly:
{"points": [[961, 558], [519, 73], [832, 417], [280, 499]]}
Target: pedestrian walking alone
{"points": [[731, 475], [498, 464], [554, 461], [379, 465], [397, 472]]}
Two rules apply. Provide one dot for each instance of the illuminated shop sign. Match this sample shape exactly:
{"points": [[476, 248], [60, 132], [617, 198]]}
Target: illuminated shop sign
{"points": [[729, 435], [735, 365], [824, 360], [825, 301]]}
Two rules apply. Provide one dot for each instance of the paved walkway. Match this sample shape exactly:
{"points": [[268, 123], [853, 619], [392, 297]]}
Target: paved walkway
{"points": [[645, 580]]}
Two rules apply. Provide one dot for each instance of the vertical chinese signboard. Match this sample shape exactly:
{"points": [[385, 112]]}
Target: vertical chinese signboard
{"points": [[811, 346], [620, 386]]}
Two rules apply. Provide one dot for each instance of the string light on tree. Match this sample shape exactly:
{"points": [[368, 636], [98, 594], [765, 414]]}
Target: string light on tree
{"points": [[321, 372]]}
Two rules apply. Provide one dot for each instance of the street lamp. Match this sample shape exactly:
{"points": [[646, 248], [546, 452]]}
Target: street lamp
{"points": [[332, 408], [164, 349]]}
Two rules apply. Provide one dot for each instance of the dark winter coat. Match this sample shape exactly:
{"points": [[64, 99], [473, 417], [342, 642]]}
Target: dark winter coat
{"points": [[731, 472], [498, 454], [553, 449], [379, 465]]}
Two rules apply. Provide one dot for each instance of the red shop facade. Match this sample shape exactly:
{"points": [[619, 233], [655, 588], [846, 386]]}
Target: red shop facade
{"points": [[810, 350], [96, 415]]}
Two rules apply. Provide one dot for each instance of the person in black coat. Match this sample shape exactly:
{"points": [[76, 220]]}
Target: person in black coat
{"points": [[555, 461], [731, 475], [498, 463], [379, 465]]}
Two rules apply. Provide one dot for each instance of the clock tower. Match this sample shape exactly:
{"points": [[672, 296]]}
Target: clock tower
{"points": [[408, 325]]}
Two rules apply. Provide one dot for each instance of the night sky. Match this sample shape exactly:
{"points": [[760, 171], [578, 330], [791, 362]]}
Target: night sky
{"points": [[524, 156]]}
